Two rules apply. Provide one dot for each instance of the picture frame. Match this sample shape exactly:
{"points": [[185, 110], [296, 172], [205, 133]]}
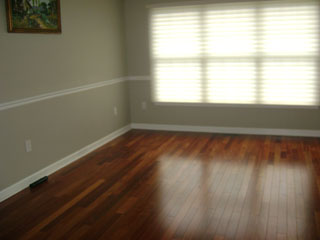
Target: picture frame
{"points": [[33, 16]]}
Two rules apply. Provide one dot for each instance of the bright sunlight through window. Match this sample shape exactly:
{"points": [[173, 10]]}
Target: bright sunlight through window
{"points": [[264, 52]]}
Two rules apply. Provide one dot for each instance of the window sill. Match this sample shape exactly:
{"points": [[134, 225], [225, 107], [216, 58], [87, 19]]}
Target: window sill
{"points": [[234, 105]]}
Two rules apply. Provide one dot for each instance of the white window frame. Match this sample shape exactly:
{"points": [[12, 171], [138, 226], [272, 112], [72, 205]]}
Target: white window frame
{"points": [[208, 104]]}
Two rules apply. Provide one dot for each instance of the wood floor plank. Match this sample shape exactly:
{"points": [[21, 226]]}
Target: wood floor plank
{"points": [[61, 210]]}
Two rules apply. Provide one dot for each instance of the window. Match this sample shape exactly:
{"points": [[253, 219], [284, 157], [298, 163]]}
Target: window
{"points": [[264, 52]]}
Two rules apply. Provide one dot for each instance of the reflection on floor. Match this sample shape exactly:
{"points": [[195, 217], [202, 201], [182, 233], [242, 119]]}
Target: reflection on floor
{"points": [[160, 185]]}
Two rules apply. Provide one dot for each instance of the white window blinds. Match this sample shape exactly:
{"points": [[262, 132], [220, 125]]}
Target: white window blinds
{"points": [[263, 52]]}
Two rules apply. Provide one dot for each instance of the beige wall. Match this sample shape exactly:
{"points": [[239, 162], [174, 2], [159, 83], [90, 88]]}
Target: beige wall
{"points": [[217, 116], [138, 65], [90, 49]]}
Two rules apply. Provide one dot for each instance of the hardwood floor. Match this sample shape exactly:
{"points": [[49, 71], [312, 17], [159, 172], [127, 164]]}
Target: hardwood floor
{"points": [[161, 185]]}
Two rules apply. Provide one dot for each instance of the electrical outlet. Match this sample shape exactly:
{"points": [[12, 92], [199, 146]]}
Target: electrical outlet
{"points": [[143, 105], [28, 145], [115, 111]]}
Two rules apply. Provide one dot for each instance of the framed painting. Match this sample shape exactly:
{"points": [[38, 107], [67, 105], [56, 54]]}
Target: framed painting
{"points": [[33, 16]]}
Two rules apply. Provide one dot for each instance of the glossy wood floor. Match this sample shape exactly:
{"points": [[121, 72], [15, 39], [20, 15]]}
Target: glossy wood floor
{"points": [[160, 185]]}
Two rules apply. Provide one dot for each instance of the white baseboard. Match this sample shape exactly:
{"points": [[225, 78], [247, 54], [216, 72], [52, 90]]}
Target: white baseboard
{"points": [[230, 130], [17, 187]]}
